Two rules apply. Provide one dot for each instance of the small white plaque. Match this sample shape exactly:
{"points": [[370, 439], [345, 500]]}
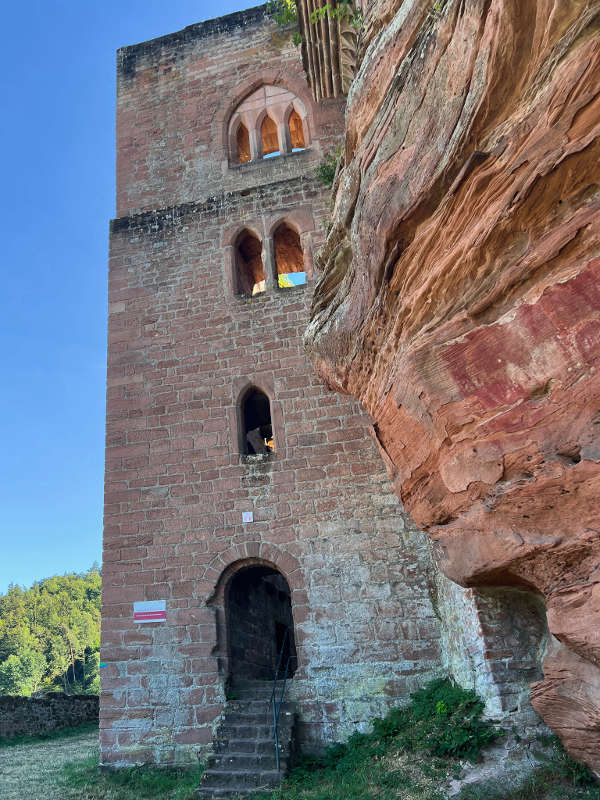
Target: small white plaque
{"points": [[150, 611], [247, 516]]}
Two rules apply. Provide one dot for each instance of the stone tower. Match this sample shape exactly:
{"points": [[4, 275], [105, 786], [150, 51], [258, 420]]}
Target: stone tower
{"points": [[242, 498]]}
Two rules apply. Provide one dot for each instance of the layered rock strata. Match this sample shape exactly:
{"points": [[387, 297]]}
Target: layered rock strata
{"points": [[460, 302]]}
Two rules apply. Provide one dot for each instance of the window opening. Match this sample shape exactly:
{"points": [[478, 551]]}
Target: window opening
{"points": [[243, 144], [250, 269], [260, 624], [296, 132], [257, 427], [289, 258], [270, 140]]}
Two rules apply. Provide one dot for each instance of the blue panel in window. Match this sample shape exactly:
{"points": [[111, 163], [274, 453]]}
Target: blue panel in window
{"points": [[291, 279]]}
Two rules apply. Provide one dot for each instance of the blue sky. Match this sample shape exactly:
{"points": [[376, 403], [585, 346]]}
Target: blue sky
{"points": [[57, 149]]}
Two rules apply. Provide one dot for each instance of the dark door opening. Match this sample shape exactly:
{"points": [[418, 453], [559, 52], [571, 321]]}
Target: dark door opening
{"points": [[256, 420], [260, 625]]}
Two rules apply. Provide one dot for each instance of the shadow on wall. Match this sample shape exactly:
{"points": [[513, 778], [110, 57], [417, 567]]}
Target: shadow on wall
{"points": [[494, 641], [259, 613], [255, 624]]}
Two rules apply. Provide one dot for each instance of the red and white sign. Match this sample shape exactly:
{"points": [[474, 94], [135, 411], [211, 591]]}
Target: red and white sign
{"points": [[152, 611]]}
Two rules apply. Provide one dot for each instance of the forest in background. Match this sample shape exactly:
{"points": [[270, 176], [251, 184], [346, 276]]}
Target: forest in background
{"points": [[50, 635]]}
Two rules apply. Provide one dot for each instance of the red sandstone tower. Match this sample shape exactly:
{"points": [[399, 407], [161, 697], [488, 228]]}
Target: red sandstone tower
{"points": [[246, 506]]}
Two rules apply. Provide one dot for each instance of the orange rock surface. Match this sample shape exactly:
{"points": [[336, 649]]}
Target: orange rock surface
{"points": [[460, 302]]}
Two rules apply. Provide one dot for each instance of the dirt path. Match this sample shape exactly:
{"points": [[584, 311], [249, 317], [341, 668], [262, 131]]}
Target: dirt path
{"points": [[32, 771]]}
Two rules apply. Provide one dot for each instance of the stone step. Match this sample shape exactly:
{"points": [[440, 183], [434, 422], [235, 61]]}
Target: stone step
{"points": [[233, 792], [256, 690], [244, 759], [251, 779], [235, 732], [257, 706], [255, 684], [236, 717], [250, 745], [248, 718], [247, 762]]}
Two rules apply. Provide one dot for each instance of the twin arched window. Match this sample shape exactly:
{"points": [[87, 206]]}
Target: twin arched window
{"points": [[271, 121], [249, 268]]}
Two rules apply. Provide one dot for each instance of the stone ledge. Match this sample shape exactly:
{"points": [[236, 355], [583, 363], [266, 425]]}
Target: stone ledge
{"points": [[161, 218]]}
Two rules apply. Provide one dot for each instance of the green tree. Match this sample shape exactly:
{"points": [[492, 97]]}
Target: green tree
{"points": [[50, 635], [22, 674], [285, 12]]}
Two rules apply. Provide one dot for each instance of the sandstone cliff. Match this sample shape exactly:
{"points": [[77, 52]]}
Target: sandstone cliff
{"points": [[460, 302]]}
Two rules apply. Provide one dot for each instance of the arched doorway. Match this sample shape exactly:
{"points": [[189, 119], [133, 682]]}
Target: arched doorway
{"points": [[260, 625]]}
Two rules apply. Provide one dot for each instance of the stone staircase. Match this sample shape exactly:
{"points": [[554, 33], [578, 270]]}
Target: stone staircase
{"points": [[244, 761]]}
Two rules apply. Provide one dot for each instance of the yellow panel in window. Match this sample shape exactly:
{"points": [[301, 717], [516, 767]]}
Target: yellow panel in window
{"points": [[243, 145], [268, 133], [296, 131]]}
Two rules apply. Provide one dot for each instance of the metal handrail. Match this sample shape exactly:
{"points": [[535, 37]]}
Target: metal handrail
{"points": [[277, 705]]}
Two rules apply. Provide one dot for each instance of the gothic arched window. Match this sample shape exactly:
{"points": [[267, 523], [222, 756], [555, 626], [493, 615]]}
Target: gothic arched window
{"points": [[296, 131], [243, 144], [257, 428], [249, 269], [289, 258], [269, 138]]}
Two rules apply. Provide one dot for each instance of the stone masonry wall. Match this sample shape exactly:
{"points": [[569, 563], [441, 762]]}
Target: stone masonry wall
{"points": [[32, 716], [183, 348], [479, 653], [172, 119], [181, 351]]}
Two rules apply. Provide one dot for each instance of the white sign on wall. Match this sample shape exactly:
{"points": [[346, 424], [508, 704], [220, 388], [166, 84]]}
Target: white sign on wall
{"points": [[150, 611], [247, 516]]}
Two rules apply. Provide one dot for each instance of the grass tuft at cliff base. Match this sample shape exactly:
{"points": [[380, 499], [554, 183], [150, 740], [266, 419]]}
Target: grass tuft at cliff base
{"points": [[410, 753], [413, 752]]}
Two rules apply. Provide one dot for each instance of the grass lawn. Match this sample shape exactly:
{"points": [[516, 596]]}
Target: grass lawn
{"points": [[409, 755], [65, 767]]}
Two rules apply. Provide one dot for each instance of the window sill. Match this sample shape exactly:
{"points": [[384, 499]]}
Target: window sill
{"points": [[255, 461], [270, 159], [252, 298], [269, 294], [291, 289]]}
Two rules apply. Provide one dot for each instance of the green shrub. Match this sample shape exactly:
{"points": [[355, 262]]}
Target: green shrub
{"points": [[572, 771], [284, 12], [442, 719], [327, 169]]}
